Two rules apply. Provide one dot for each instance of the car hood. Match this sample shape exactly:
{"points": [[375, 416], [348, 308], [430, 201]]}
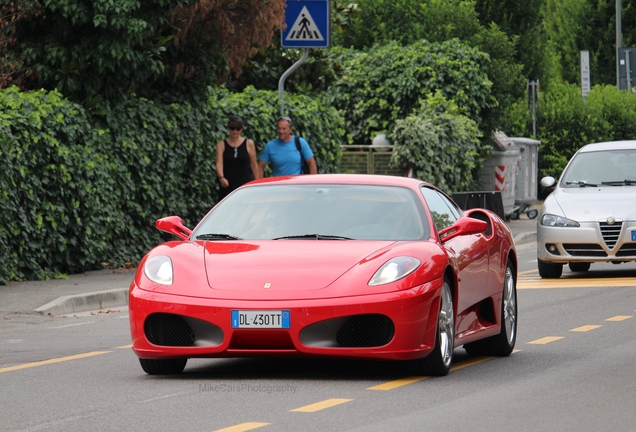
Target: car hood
{"points": [[590, 204], [284, 265]]}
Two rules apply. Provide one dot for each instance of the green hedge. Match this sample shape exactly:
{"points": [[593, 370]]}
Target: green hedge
{"points": [[52, 217], [81, 192]]}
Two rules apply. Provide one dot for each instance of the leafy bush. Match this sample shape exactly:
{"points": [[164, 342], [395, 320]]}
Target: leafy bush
{"points": [[439, 144], [386, 83]]}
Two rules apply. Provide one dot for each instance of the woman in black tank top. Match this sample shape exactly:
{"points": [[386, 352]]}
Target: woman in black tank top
{"points": [[235, 159]]}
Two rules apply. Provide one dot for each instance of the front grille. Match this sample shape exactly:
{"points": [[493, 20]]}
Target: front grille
{"points": [[585, 250], [610, 233], [168, 330], [627, 250], [366, 331]]}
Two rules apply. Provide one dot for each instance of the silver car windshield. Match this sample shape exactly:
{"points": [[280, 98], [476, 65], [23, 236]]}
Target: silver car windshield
{"points": [[601, 168], [316, 211]]}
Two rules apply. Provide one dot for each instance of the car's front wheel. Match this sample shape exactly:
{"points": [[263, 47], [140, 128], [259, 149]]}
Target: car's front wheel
{"points": [[163, 366], [549, 270], [579, 266], [438, 362]]}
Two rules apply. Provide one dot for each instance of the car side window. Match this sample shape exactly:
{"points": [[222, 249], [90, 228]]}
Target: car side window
{"points": [[443, 211]]}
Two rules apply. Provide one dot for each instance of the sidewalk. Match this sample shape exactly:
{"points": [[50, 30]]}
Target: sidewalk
{"points": [[103, 289]]}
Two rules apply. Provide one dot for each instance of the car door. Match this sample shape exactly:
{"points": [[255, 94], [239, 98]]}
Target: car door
{"points": [[469, 255]]}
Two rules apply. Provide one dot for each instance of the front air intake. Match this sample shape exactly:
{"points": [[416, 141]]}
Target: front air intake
{"points": [[168, 330], [366, 331]]}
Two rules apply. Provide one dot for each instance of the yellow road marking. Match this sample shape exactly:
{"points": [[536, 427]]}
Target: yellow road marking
{"points": [[51, 361], [585, 328], [410, 380], [470, 362], [545, 340], [398, 383], [125, 346], [243, 427], [321, 405], [619, 318], [567, 282]]}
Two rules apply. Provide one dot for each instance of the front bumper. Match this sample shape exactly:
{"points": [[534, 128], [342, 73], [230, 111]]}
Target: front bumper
{"points": [[590, 242], [395, 326]]}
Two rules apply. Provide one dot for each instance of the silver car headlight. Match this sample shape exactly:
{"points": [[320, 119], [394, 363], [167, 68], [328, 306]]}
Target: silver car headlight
{"points": [[159, 270], [558, 221], [394, 269]]}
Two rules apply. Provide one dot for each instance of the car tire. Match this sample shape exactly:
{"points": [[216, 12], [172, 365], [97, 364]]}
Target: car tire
{"points": [[438, 362], [579, 266], [549, 270], [502, 344], [163, 366]]}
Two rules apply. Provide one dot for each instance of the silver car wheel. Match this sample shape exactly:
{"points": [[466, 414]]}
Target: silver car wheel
{"points": [[446, 326], [510, 305]]}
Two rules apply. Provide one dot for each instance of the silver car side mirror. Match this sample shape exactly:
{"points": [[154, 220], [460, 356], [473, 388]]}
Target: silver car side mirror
{"points": [[548, 181]]}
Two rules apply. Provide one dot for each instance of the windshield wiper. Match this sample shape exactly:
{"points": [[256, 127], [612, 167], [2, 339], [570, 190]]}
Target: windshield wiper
{"points": [[581, 183], [620, 183], [216, 236], [313, 236]]}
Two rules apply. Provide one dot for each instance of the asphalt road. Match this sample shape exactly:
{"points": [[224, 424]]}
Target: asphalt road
{"points": [[573, 370]]}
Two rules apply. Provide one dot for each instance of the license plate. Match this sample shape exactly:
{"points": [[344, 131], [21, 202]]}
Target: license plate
{"points": [[260, 319], [633, 235]]}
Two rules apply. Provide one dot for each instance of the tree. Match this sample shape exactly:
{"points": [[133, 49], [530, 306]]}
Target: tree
{"points": [[385, 83], [91, 49], [520, 19], [577, 25], [406, 22]]}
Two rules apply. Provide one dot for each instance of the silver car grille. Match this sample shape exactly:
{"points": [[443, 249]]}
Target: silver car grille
{"points": [[610, 233]]}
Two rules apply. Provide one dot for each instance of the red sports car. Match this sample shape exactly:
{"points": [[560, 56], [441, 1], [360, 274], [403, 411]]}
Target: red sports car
{"points": [[356, 266]]}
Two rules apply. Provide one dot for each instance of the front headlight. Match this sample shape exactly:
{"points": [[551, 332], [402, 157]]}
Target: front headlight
{"points": [[394, 269], [558, 221], [159, 270]]}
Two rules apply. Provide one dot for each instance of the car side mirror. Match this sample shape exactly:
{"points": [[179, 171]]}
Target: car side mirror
{"points": [[463, 226], [173, 225], [547, 183]]}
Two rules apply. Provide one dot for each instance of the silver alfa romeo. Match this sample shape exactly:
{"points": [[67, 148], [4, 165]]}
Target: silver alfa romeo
{"points": [[590, 216]]}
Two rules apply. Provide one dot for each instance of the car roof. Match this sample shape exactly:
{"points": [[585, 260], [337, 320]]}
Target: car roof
{"points": [[609, 145], [364, 179]]}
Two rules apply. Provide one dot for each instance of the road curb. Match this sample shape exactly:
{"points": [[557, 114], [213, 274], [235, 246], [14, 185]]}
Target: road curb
{"points": [[85, 302]]}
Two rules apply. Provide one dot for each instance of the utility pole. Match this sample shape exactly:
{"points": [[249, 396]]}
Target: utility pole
{"points": [[533, 97], [619, 41]]}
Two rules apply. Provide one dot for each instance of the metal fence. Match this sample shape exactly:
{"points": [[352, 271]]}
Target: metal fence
{"points": [[367, 159]]}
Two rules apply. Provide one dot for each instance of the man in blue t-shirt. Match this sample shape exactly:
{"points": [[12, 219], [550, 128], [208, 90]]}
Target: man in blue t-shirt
{"points": [[283, 154]]}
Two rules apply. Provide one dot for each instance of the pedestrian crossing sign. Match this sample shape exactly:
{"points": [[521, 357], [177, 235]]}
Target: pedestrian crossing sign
{"points": [[308, 24]]}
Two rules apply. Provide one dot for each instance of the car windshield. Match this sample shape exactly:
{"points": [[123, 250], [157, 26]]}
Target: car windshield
{"points": [[601, 168], [318, 211]]}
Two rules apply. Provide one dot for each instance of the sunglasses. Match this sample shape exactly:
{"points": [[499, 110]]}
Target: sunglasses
{"points": [[235, 128]]}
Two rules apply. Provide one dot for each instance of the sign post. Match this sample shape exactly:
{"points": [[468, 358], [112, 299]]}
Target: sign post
{"points": [[585, 73], [307, 25]]}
